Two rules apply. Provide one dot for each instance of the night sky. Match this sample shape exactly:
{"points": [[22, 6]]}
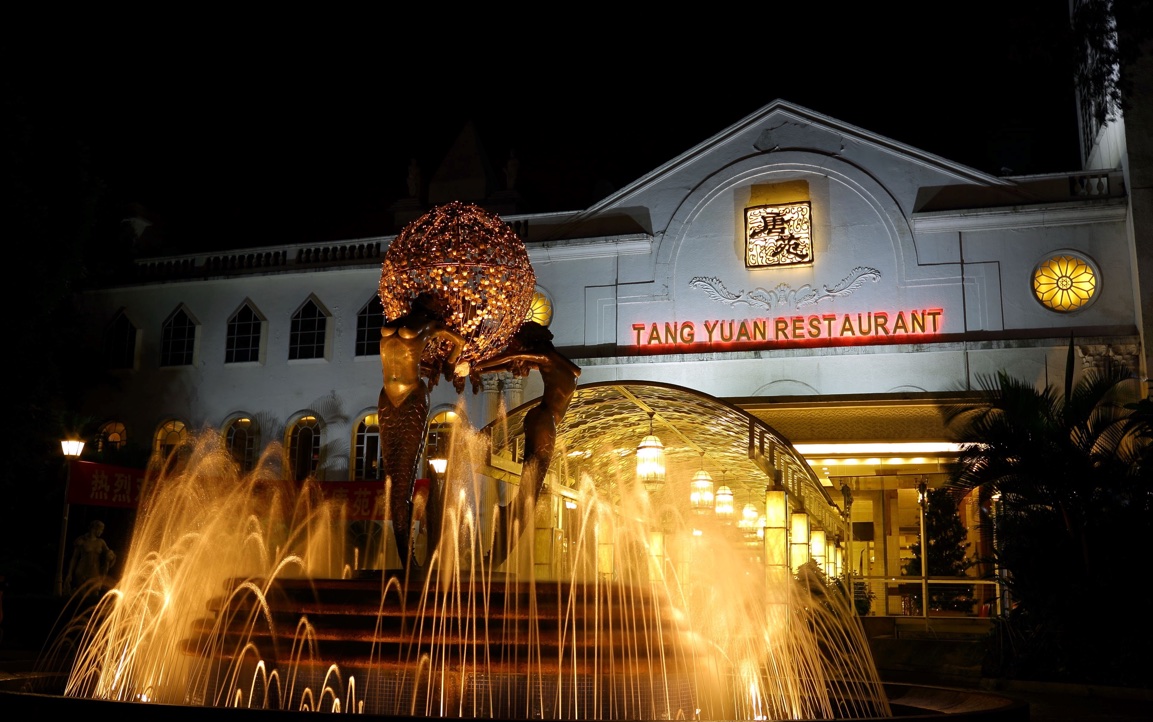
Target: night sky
{"points": [[256, 131]]}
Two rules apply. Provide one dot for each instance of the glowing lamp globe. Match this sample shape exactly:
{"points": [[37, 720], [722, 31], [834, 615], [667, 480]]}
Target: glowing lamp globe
{"points": [[473, 267]]}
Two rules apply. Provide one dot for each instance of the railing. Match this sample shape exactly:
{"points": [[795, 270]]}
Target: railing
{"points": [[902, 597], [250, 261], [288, 258]]}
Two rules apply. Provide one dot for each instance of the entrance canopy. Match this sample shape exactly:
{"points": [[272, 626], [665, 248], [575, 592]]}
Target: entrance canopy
{"points": [[606, 421]]}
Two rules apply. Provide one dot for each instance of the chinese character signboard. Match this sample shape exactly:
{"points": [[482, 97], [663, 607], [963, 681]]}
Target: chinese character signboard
{"points": [[780, 235], [104, 485]]}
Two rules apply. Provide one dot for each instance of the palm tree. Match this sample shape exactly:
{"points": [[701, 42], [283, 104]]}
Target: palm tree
{"points": [[1070, 474]]}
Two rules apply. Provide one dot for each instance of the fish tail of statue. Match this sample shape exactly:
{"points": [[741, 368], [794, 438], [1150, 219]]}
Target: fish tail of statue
{"points": [[402, 435]]}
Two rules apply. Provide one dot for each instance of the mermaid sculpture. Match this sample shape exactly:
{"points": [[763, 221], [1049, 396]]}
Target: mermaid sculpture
{"points": [[402, 411], [531, 347]]}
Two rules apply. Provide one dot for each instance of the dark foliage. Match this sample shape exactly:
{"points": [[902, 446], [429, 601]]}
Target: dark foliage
{"points": [[1071, 478], [1109, 36]]}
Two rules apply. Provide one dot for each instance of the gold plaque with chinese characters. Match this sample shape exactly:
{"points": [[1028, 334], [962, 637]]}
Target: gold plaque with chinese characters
{"points": [[778, 235]]}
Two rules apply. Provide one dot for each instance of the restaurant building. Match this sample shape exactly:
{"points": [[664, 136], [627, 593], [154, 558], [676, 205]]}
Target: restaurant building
{"points": [[786, 305]]}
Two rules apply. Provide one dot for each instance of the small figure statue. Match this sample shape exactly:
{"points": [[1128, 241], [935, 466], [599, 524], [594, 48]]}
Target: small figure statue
{"points": [[91, 558], [402, 408], [531, 348]]}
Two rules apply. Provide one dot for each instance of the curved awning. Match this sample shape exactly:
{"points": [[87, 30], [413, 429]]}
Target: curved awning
{"points": [[606, 421]]}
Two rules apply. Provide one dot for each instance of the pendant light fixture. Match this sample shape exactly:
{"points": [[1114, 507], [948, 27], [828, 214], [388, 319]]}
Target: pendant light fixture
{"points": [[748, 520], [701, 489], [651, 460], [724, 501]]}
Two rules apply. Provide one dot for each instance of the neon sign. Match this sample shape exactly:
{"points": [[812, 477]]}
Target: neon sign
{"points": [[827, 329]]}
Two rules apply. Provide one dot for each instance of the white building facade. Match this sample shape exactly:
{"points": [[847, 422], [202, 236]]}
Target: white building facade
{"points": [[836, 285]]}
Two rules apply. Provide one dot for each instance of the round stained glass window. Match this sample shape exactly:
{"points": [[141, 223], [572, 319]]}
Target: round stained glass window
{"points": [[1065, 282], [540, 310]]}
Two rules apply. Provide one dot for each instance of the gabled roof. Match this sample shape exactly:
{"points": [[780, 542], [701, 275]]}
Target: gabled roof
{"points": [[770, 124]]}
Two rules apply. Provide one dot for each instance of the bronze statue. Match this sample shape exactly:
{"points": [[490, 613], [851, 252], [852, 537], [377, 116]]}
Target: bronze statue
{"points": [[92, 559], [402, 409], [531, 347]]}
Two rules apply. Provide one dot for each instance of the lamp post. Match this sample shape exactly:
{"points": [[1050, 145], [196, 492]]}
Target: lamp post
{"points": [[923, 503], [72, 449]]}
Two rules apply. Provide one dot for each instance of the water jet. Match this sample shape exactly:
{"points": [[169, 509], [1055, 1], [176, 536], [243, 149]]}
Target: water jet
{"points": [[241, 594]]}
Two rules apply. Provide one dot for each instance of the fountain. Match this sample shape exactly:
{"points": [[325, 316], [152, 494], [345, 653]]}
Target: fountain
{"points": [[241, 592]]}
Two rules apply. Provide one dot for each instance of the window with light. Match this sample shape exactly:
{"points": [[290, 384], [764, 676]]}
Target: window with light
{"points": [[366, 463], [112, 436], [540, 309], [242, 437], [304, 447], [170, 437], [1065, 282]]}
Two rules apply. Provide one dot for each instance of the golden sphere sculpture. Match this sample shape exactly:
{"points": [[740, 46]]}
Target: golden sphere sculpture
{"points": [[473, 267]]}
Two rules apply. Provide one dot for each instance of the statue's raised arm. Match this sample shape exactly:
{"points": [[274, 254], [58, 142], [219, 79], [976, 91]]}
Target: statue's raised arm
{"points": [[531, 348]]}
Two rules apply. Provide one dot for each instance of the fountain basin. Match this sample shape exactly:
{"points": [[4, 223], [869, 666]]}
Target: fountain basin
{"points": [[30, 696]]}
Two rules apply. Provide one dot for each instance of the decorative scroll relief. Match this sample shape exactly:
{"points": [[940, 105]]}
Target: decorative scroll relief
{"points": [[780, 235], [783, 294]]}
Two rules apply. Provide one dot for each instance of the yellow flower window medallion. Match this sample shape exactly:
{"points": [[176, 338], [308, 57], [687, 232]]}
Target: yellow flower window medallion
{"points": [[540, 310], [1064, 282]]}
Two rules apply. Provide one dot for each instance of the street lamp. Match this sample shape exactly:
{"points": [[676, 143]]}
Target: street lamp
{"points": [[72, 448]]}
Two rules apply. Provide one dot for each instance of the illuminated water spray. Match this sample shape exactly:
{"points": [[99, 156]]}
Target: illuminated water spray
{"points": [[603, 599]]}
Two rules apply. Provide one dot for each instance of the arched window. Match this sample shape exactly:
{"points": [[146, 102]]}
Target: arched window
{"points": [[438, 441], [111, 436], [241, 437], [369, 320], [170, 437], [366, 460], [304, 447]]}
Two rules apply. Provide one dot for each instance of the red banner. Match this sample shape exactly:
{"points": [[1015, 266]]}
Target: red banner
{"points": [[104, 485], [361, 499]]}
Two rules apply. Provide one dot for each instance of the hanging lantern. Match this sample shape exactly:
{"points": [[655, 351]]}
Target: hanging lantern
{"points": [[748, 519], [651, 460], [724, 505], [701, 489]]}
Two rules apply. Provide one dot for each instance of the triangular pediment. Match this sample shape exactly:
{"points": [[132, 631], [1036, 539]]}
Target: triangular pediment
{"points": [[783, 126]]}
